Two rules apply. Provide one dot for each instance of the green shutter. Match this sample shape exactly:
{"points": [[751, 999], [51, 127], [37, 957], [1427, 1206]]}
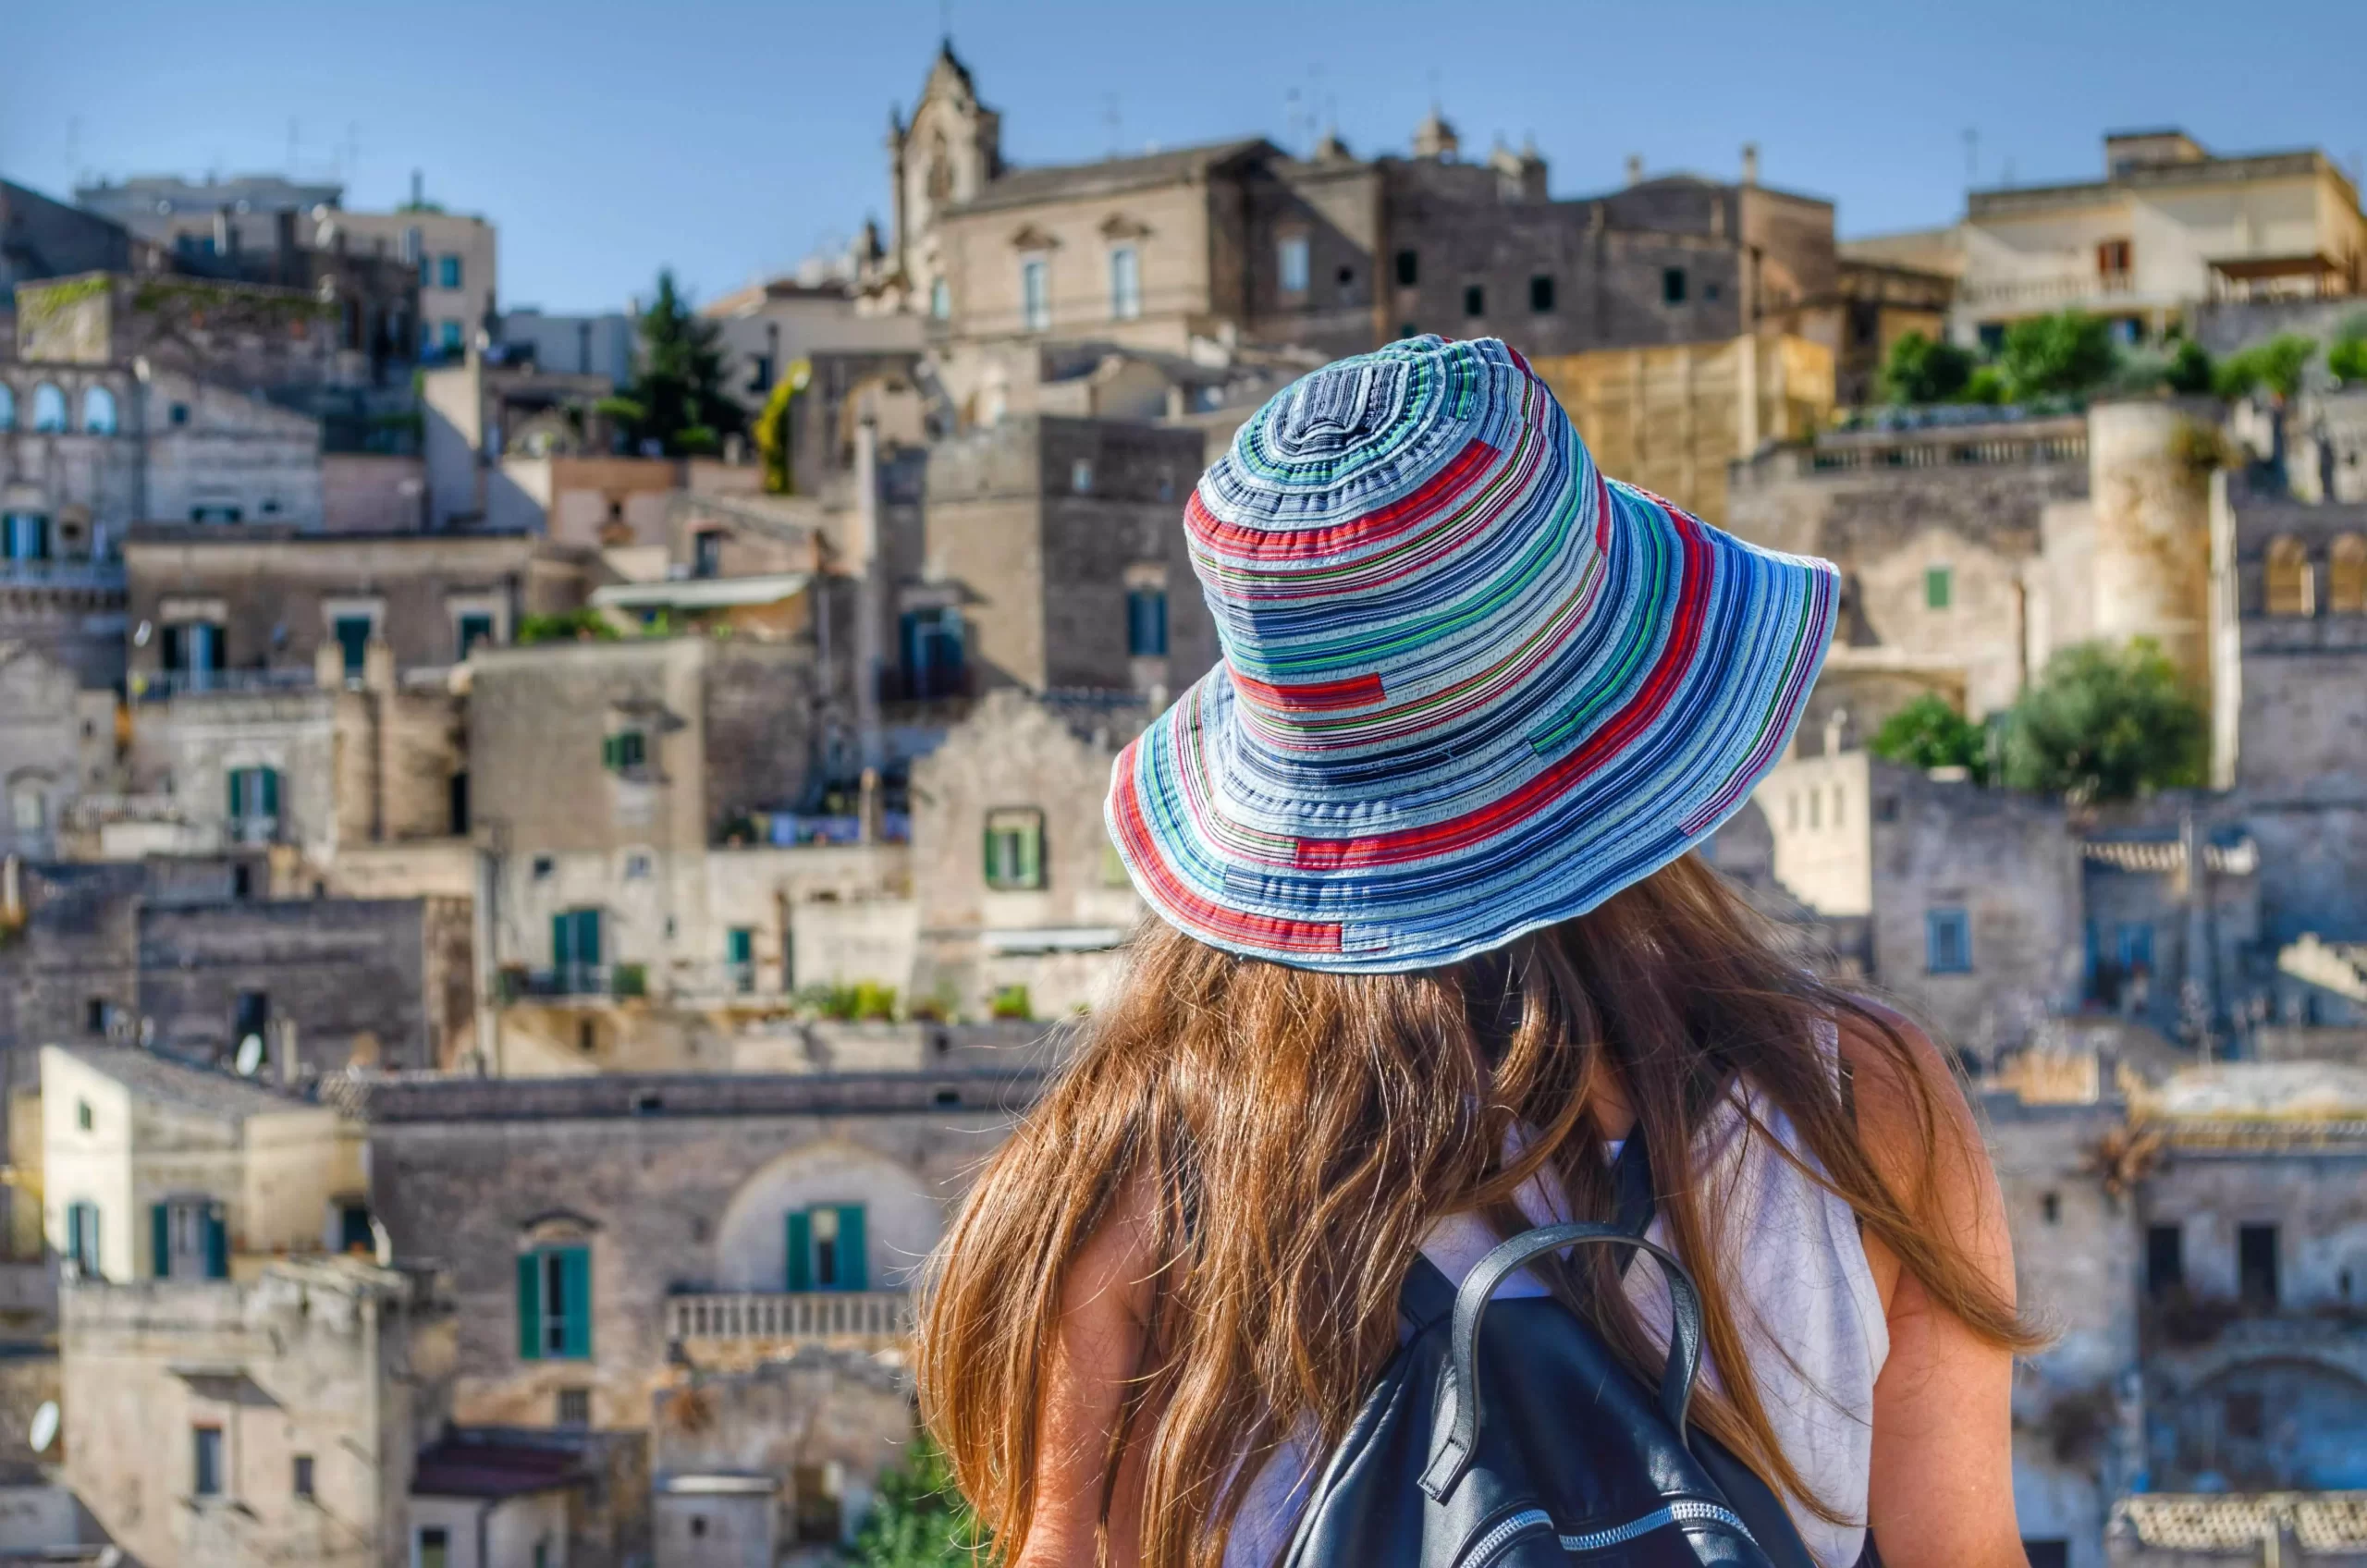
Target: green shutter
{"points": [[575, 1279], [160, 1241], [587, 936], [994, 877], [1031, 856], [852, 1274], [530, 1306], [270, 790], [561, 942], [801, 1250], [238, 793], [217, 1243]]}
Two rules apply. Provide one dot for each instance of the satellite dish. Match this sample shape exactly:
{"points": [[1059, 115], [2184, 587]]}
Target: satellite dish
{"points": [[141, 633], [382, 1246], [44, 1429], [249, 1055]]}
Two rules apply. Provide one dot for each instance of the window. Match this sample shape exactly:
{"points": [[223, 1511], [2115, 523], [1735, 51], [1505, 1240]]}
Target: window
{"points": [[95, 1019], [575, 949], [1147, 622], [447, 271], [83, 1238], [1947, 941], [217, 513], [49, 410], [543, 865], [637, 866], [624, 750], [2134, 941], [254, 799], [2165, 1259], [2048, 1553], [1014, 848], [1540, 294], [177, 413], [27, 537], [555, 1303], [435, 1547], [206, 1462], [933, 652], [302, 1483], [826, 1248], [242, 882], [1409, 270], [8, 407], [353, 634], [1710, 292], [1475, 300], [2112, 258], [1672, 286], [1035, 294], [98, 412], [941, 300], [1125, 282], [475, 627], [1291, 262], [2287, 582], [194, 647], [353, 1233], [448, 337], [2050, 1208], [575, 1409], [188, 1238], [82, 1118], [760, 373], [2256, 1264], [740, 958], [251, 1016], [1081, 476], [2346, 576], [1939, 587], [28, 808], [707, 552]]}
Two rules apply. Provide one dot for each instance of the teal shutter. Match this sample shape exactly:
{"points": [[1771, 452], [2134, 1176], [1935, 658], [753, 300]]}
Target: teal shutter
{"points": [[238, 793], [160, 1241], [530, 1306], [217, 1244], [994, 871], [801, 1250], [561, 942], [587, 936], [270, 790], [853, 1275], [1031, 857], [575, 1282]]}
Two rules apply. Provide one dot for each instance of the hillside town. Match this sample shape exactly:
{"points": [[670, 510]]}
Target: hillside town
{"points": [[541, 851]]}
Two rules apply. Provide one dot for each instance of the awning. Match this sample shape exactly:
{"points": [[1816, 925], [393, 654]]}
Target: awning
{"points": [[701, 592], [1053, 938]]}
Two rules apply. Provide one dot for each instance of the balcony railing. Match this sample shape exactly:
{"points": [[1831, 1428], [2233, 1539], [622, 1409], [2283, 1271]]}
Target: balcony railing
{"points": [[576, 980], [2056, 290], [795, 1316], [163, 685], [103, 576]]}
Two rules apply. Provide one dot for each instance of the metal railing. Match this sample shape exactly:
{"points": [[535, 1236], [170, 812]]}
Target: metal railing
{"points": [[102, 575], [791, 1316], [1991, 451], [575, 980], [163, 685]]}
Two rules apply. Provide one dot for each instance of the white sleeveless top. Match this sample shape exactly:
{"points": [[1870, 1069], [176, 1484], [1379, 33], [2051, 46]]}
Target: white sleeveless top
{"points": [[1809, 1309]]}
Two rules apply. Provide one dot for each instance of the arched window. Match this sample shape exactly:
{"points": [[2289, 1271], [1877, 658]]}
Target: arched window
{"points": [[49, 408], [8, 407], [98, 412], [2286, 585], [2346, 576]]}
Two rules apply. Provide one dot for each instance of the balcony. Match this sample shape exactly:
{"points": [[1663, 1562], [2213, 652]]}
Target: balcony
{"points": [[102, 576], [878, 1317], [164, 685], [2049, 293], [575, 980]]}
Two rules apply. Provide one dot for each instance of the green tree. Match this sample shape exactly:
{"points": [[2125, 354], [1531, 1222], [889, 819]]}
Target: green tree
{"points": [[568, 626], [1921, 370], [2106, 724], [2063, 355], [2191, 369], [2276, 365], [1927, 732], [2347, 355], [918, 1519], [677, 398]]}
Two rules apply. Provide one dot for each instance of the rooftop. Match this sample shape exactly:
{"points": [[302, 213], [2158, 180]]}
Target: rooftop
{"points": [[172, 1081], [1108, 175], [388, 1100], [470, 1465]]}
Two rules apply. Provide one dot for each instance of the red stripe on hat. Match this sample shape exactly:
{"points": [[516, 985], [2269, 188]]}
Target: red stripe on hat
{"points": [[1435, 495], [1187, 908], [1676, 658], [1357, 691]]}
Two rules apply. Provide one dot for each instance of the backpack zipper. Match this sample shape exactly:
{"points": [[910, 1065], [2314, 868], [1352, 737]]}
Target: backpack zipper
{"points": [[1680, 1513]]}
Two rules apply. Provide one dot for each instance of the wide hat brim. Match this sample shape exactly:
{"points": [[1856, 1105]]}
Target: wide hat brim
{"points": [[1693, 673]]}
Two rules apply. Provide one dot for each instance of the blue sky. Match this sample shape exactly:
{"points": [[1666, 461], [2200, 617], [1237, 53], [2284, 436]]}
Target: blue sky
{"points": [[729, 139]]}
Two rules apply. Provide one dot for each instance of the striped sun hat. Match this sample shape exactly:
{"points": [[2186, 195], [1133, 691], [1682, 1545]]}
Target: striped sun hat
{"points": [[1469, 687]]}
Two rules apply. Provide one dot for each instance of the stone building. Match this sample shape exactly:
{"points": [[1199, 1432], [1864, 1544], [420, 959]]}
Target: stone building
{"points": [[220, 1421], [58, 742], [1054, 557], [1239, 242], [2169, 226], [40, 238], [630, 1252]]}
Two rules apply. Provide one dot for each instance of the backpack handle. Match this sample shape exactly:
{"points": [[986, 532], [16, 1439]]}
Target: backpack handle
{"points": [[1461, 1374]]}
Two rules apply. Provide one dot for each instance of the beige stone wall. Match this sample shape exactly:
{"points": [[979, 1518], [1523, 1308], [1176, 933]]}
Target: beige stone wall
{"points": [[367, 492], [1671, 419], [1819, 812]]}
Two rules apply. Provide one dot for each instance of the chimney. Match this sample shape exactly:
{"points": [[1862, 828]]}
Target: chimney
{"points": [[1750, 163], [1635, 168]]}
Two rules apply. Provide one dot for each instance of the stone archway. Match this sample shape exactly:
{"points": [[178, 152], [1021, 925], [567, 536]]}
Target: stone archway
{"points": [[903, 1220]]}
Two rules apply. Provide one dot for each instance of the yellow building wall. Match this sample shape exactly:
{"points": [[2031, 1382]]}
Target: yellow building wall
{"points": [[1670, 419]]}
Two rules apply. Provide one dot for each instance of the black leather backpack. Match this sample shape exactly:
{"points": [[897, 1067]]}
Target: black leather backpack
{"points": [[1508, 1436]]}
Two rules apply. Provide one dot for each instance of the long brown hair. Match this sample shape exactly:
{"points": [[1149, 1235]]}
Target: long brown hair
{"points": [[1285, 1138]]}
